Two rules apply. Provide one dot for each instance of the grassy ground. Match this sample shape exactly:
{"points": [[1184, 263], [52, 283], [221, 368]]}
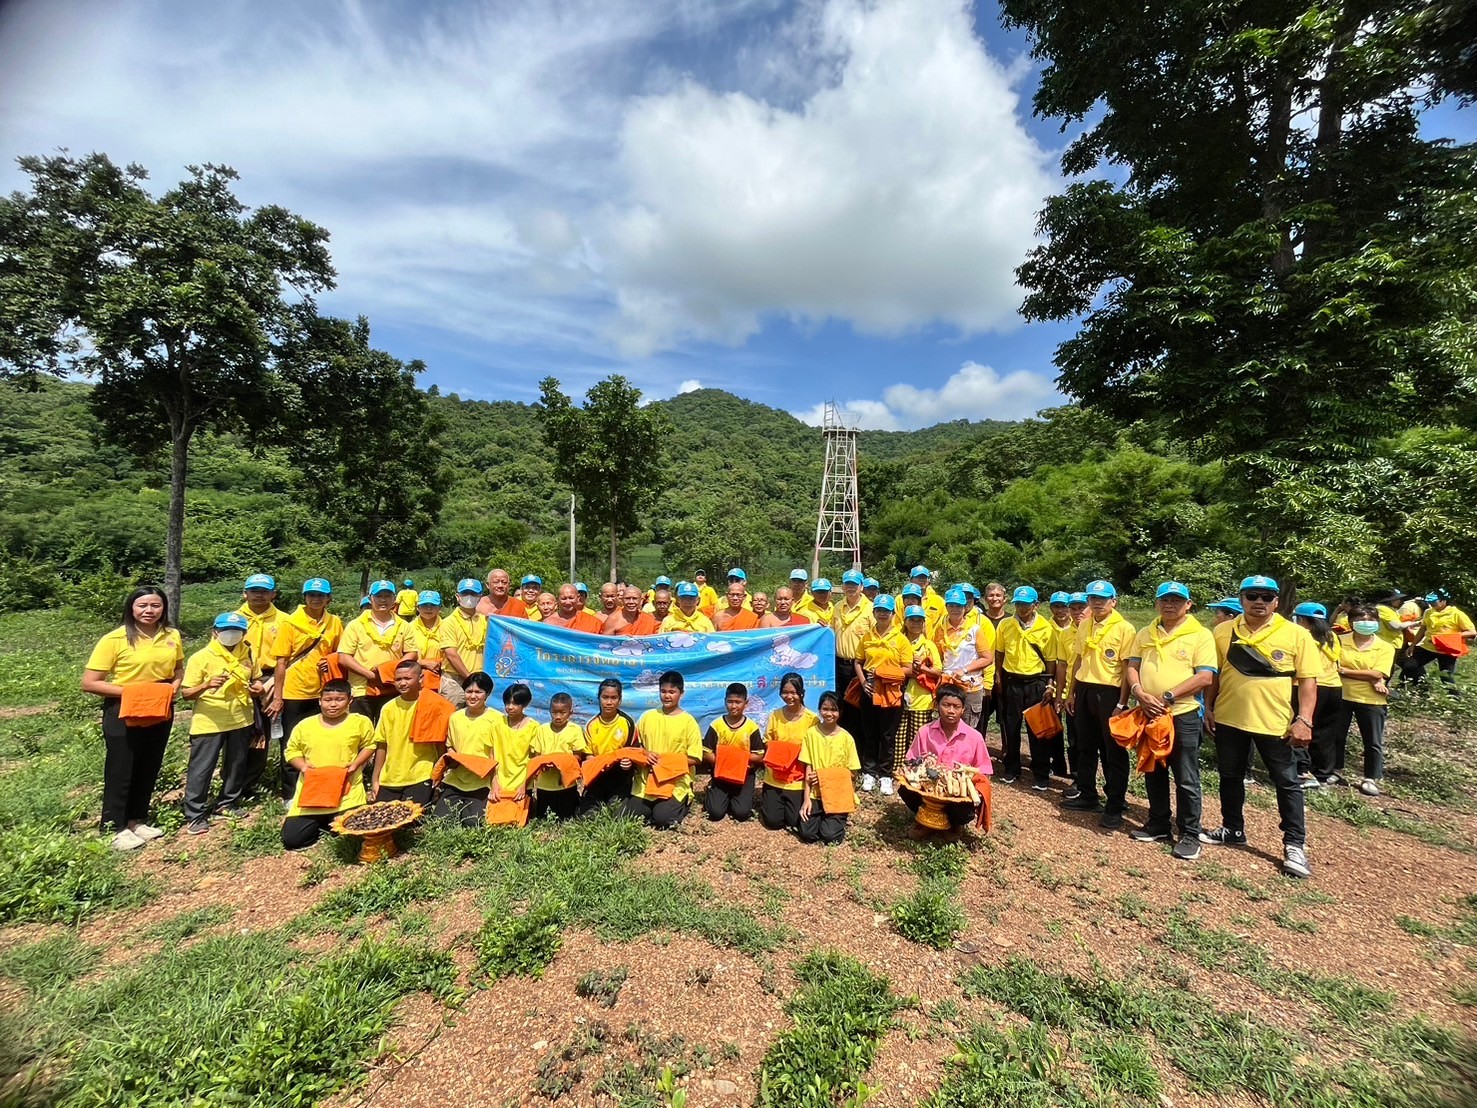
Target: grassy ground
{"points": [[1045, 964]]}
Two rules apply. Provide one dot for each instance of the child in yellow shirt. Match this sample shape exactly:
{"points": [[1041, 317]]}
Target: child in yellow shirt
{"points": [[826, 746], [334, 737], [608, 732], [473, 730], [734, 728], [670, 731], [559, 736]]}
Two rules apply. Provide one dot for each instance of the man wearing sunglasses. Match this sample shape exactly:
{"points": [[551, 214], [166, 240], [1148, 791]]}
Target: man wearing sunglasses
{"points": [[1262, 657]]}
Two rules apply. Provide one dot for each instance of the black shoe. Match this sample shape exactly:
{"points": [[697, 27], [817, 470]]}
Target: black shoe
{"points": [[1072, 794], [1187, 849], [1007, 778], [1111, 820], [1041, 784], [1223, 836], [1083, 804], [1149, 835]]}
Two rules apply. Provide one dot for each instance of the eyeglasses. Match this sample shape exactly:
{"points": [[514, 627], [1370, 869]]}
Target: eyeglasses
{"points": [[1259, 597]]}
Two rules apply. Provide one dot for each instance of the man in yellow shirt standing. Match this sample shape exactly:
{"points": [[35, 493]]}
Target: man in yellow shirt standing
{"points": [[301, 649], [707, 596], [465, 638], [685, 616], [407, 599], [259, 596], [800, 591], [1024, 668], [1173, 662], [1441, 618], [1099, 690], [1262, 657], [378, 636], [851, 620]]}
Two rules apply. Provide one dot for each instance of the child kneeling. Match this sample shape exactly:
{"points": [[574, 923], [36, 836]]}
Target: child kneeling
{"points": [[829, 756], [735, 750], [333, 739], [662, 791]]}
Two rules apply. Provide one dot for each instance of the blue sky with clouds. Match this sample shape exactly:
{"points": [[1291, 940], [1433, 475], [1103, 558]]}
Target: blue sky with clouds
{"points": [[793, 201]]}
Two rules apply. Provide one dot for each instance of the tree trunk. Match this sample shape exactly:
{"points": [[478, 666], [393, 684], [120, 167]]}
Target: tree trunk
{"points": [[174, 543], [612, 553], [363, 580], [1272, 165]]}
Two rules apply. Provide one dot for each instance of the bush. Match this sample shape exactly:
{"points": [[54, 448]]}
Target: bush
{"points": [[521, 945], [931, 915], [48, 876]]}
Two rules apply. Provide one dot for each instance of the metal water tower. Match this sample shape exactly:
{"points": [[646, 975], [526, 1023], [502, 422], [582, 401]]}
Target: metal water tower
{"points": [[839, 526]]}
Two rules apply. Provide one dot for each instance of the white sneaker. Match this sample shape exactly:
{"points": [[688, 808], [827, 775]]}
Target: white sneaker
{"points": [[1369, 787], [126, 840], [885, 786], [868, 782], [146, 833]]}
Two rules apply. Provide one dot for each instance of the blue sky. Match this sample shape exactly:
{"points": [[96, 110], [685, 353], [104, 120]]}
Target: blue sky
{"points": [[793, 201]]}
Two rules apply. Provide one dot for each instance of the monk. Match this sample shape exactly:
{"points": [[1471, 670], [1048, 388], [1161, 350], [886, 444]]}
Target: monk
{"points": [[629, 619], [784, 614], [545, 605], [736, 617], [499, 601], [610, 600], [571, 612]]}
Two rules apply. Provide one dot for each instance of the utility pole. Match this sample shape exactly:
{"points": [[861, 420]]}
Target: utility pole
{"points": [[839, 525]]}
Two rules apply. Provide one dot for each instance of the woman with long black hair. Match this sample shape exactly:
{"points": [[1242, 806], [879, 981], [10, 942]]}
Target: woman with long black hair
{"points": [[1320, 763], [136, 669]]}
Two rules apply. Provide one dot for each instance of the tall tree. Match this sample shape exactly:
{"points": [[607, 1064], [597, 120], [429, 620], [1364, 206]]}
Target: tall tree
{"points": [[611, 453], [1281, 262], [171, 304]]}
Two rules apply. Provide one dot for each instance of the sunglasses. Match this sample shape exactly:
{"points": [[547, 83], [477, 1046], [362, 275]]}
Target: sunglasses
{"points": [[1259, 597]]}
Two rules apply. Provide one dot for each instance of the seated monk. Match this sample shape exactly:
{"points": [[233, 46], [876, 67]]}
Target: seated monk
{"points": [[629, 619], [571, 612], [736, 617]]}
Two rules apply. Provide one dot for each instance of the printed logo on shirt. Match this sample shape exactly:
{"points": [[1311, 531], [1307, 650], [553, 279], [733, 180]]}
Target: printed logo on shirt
{"points": [[1183, 654], [1110, 653], [1278, 655]]}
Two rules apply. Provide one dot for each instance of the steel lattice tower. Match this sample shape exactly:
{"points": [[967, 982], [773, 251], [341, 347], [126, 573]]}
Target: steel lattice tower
{"points": [[839, 526]]}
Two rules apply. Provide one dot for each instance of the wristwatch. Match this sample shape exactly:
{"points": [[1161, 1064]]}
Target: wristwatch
{"points": [[1167, 696]]}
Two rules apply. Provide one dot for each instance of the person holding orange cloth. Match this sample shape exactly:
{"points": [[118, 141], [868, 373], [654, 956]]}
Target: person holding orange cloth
{"points": [[561, 735], [1445, 619], [371, 644], [662, 792], [406, 748], [223, 681], [304, 651], [472, 730], [334, 739], [829, 756], [136, 669], [732, 748], [784, 737]]}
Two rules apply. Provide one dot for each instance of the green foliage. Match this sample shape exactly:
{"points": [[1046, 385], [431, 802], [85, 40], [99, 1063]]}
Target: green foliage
{"points": [[187, 925], [1016, 1067], [931, 914], [603, 988], [49, 963], [53, 876], [385, 889], [520, 945], [841, 1012]]}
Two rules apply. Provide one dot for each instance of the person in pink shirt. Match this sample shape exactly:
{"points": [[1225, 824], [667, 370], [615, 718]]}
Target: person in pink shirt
{"points": [[954, 743]]}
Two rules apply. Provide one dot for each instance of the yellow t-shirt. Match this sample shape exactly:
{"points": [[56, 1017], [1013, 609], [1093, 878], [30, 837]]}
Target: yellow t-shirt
{"points": [[746, 735], [1377, 655], [1102, 647], [295, 634], [512, 746], [1166, 659], [779, 729], [228, 708], [803, 603], [876, 648], [468, 637], [570, 740], [963, 647], [707, 597], [1016, 646], [475, 735], [834, 751], [427, 642], [337, 745], [1328, 660], [1253, 702], [406, 762], [936, 611], [697, 623], [147, 660], [851, 622], [262, 630], [606, 738], [915, 697], [668, 734], [407, 600], [1447, 622], [371, 647]]}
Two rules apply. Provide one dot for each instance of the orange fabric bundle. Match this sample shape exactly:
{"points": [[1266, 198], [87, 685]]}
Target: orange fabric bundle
{"points": [[1158, 741], [323, 787], [335, 671], [982, 783], [853, 694], [731, 763], [1452, 644], [780, 756], [928, 681], [1043, 720], [146, 704], [385, 672], [567, 765], [507, 812], [594, 767], [431, 718], [482, 767], [887, 685], [1127, 728], [432, 682], [662, 778], [838, 795]]}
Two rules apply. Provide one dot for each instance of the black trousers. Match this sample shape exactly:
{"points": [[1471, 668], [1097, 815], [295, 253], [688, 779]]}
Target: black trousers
{"points": [[724, 798], [560, 803], [851, 717], [1232, 748], [466, 808], [993, 705], [960, 815], [1095, 707], [779, 809], [1420, 658], [205, 755], [878, 737], [420, 793], [371, 706], [611, 788], [822, 827], [301, 832], [1017, 693], [293, 713], [1325, 753], [661, 814], [1371, 719], [1184, 764], [131, 764]]}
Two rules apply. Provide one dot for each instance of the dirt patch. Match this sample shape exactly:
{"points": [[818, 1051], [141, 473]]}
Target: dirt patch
{"points": [[28, 710]]}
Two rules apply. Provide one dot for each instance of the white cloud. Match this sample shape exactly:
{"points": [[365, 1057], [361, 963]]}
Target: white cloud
{"points": [[692, 384], [902, 192], [974, 392]]}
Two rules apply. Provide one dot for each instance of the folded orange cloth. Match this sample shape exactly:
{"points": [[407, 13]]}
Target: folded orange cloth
{"points": [[1451, 644], [512, 813], [385, 672], [432, 682], [1043, 721], [838, 795], [1127, 727], [147, 704], [1156, 744], [731, 763], [780, 755], [662, 778], [335, 671], [432, 715], [323, 787], [482, 767], [567, 765], [592, 768], [887, 685], [853, 694]]}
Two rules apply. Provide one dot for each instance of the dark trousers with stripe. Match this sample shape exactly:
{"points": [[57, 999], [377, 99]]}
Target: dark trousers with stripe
{"points": [[1019, 693], [1095, 706]]}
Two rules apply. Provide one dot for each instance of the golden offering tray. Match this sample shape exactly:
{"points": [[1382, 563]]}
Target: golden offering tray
{"points": [[386, 817]]}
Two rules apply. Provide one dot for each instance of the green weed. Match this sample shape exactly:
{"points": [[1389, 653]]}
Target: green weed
{"points": [[603, 988], [948, 862], [1120, 1066], [49, 963], [520, 945], [1012, 1067], [384, 890], [931, 915], [49, 876], [188, 924]]}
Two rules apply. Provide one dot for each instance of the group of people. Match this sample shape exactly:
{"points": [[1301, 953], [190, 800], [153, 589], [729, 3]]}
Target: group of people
{"points": [[396, 704]]}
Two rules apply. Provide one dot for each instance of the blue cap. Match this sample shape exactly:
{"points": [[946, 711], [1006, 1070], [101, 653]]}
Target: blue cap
{"points": [[974, 592], [740, 574], [531, 579], [1024, 594], [260, 581], [1172, 588], [1101, 589], [911, 589], [686, 588], [1060, 598], [1433, 598], [1229, 604], [956, 595], [1308, 608], [852, 577], [580, 586], [429, 596], [318, 584], [232, 619], [871, 583], [914, 611], [1077, 598], [1258, 581], [381, 586], [884, 603], [469, 584], [920, 571], [662, 580], [364, 602], [820, 584], [799, 575], [409, 584]]}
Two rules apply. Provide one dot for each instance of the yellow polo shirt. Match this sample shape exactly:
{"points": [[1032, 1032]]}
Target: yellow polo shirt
{"points": [[915, 697], [1388, 615], [1016, 646], [1377, 655], [570, 739], [695, 624], [604, 738], [1102, 647], [1450, 621], [363, 641], [778, 729], [149, 659], [1262, 704], [336, 745], [297, 633], [467, 636], [668, 734], [834, 751], [426, 641], [406, 762], [406, 599], [1328, 661], [475, 735], [228, 708], [1166, 659], [850, 622], [262, 630]]}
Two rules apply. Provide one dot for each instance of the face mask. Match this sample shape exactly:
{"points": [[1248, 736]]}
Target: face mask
{"points": [[467, 602], [1366, 626], [230, 637]]}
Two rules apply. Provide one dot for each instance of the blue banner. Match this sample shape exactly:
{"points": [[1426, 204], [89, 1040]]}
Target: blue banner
{"points": [[555, 659]]}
